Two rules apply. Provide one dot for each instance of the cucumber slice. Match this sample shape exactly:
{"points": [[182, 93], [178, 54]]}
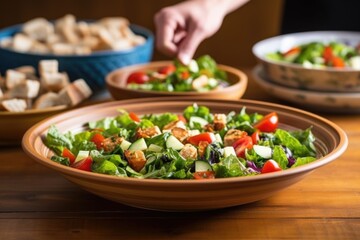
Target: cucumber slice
{"points": [[263, 151], [202, 166], [218, 138], [82, 155], [193, 132], [139, 144], [198, 120], [125, 145], [154, 148], [228, 151], [174, 143], [193, 66]]}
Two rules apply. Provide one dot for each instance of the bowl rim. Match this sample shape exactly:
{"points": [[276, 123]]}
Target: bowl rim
{"points": [[35, 111], [299, 66], [30, 136], [137, 29], [242, 82], [258, 74]]}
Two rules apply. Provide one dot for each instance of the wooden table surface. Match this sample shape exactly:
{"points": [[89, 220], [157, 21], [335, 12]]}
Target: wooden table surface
{"points": [[37, 203]]}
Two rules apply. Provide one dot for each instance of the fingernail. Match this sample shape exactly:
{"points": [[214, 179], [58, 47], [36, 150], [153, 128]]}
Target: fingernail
{"points": [[184, 58]]}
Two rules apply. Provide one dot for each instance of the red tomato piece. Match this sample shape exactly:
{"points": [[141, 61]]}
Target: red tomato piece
{"points": [[134, 117], [185, 75], [167, 70], [138, 77], [268, 123], [84, 164], [327, 54], [255, 136], [204, 175], [338, 62], [68, 154], [202, 137], [292, 51], [241, 145], [181, 118], [270, 166], [98, 139]]}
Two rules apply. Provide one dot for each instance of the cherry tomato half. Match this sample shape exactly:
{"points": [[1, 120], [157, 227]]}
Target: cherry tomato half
{"points": [[327, 54], [241, 145], [270, 166], [134, 117], [98, 139], [67, 153], [138, 77], [84, 164], [181, 118], [292, 51], [185, 75], [268, 123], [255, 136], [167, 70], [205, 137], [204, 175]]}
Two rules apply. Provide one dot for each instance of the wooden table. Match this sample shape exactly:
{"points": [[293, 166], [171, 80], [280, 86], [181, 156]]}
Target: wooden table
{"points": [[37, 203]]}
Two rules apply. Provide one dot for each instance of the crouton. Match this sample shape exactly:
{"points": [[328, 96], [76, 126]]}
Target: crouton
{"points": [[136, 159], [27, 89], [13, 105], [147, 132], [46, 100], [189, 152], [232, 136], [110, 143], [54, 81], [38, 28], [14, 78], [48, 66], [22, 43]]}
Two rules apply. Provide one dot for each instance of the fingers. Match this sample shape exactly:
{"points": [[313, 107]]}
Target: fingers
{"points": [[168, 22], [189, 44]]}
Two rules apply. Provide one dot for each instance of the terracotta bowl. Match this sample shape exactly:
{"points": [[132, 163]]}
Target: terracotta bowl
{"points": [[186, 195], [297, 76], [14, 125], [329, 102], [116, 84]]}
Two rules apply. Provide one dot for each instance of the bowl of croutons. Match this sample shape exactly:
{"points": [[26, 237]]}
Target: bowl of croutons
{"points": [[27, 97], [84, 49]]}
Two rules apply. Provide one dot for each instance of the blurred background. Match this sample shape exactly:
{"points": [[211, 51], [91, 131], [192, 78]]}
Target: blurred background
{"points": [[257, 20]]}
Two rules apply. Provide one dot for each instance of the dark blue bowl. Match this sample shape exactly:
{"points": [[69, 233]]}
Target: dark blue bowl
{"points": [[92, 68]]}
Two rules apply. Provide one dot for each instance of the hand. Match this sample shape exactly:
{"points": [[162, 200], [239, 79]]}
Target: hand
{"points": [[181, 28]]}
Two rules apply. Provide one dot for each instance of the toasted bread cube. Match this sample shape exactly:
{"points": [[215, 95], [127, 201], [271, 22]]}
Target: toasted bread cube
{"points": [[27, 89], [114, 21], [69, 34], [22, 43], [48, 66], [62, 48], [39, 47], [121, 44], [49, 99], [38, 28], [71, 95], [13, 105], [82, 50], [82, 87], [106, 37], [27, 70], [54, 81], [83, 29], [14, 78]]}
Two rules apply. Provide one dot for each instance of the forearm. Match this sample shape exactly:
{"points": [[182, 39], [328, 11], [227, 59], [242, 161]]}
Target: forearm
{"points": [[227, 6]]}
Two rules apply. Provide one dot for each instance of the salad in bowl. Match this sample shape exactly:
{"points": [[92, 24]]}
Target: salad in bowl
{"points": [[200, 75], [196, 144]]}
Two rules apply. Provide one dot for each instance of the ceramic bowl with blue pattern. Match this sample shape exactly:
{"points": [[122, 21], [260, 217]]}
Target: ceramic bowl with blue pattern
{"points": [[92, 68]]}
